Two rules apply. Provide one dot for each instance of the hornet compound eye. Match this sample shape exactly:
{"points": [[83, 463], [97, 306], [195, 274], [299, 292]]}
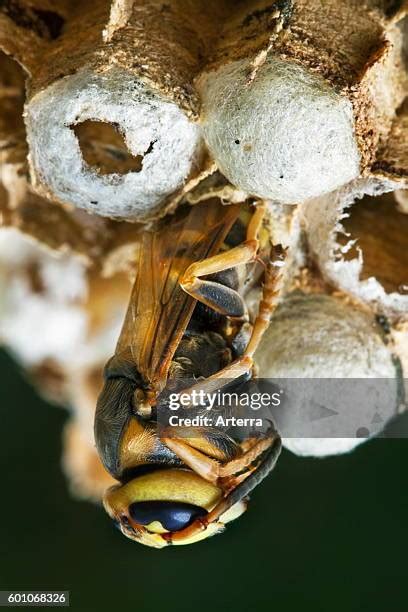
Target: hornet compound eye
{"points": [[173, 516]]}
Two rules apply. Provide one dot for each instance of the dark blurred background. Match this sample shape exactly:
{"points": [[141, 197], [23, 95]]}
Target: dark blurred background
{"points": [[327, 535]]}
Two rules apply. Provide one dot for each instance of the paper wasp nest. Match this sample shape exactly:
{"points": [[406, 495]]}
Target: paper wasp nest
{"points": [[113, 113]]}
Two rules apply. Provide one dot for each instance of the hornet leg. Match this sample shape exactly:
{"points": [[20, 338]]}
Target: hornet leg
{"points": [[256, 463], [224, 300]]}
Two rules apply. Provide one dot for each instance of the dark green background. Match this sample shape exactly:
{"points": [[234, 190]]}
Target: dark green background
{"points": [[319, 535]]}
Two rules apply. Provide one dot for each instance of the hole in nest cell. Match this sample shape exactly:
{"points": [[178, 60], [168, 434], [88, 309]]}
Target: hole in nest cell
{"points": [[381, 232], [44, 23], [53, 22], [12, 96], [12, 77], [104, 149]]}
